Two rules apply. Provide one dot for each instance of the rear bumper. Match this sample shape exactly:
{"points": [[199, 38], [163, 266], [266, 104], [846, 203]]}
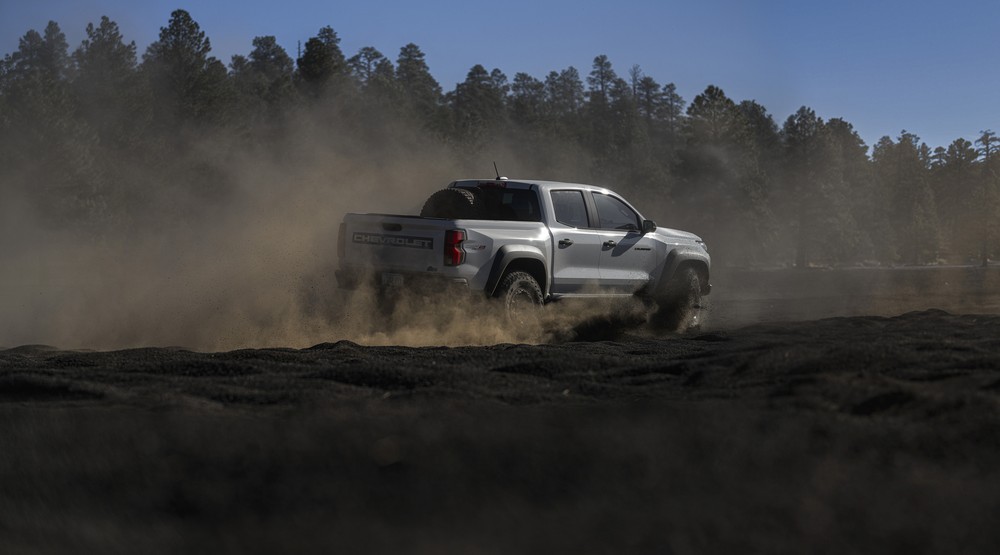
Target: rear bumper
{"points": [[350, 278]]}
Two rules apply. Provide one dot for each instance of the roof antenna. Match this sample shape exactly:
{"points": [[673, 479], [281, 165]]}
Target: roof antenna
{"points": [[498, 171]]}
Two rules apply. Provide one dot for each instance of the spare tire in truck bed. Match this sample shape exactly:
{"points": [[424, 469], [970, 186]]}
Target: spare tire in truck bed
{"points": [[452, 203]]}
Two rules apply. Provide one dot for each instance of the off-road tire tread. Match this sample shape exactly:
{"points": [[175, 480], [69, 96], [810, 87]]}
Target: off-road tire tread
{"points": [[452, 203]]}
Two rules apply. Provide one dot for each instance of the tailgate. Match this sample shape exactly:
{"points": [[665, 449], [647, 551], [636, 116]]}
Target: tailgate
{"points": [[388, 242]]}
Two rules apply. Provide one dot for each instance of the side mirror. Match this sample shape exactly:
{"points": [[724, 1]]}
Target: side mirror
{"points": [[648, 226]]}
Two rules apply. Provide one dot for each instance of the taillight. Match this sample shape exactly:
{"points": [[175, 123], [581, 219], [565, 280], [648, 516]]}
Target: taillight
{"points": [[341, 239], [453, 253]]}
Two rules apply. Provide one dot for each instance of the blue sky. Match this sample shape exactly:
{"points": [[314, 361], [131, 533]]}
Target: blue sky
{"points": [[931, 68]]}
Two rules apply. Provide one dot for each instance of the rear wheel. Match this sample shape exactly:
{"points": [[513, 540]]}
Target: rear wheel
{"points": [[521, 297], [679, 306]]}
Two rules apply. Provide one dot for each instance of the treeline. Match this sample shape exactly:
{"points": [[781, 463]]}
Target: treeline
{"points": [[82, 131]]}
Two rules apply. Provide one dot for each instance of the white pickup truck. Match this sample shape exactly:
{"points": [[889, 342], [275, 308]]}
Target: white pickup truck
{"points": [[529, 242]]}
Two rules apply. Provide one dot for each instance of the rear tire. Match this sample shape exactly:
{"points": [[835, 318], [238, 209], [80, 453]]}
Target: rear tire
{"points": [[679, 307], [453, 203], [521, 297]]}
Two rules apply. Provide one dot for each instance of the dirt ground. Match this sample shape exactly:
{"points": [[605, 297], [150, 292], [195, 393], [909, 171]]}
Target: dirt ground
{"points": [[824, 411]]}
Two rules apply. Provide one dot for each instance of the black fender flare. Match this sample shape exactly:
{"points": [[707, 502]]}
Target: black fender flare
{"points": [[508, 254], [675, 259]]}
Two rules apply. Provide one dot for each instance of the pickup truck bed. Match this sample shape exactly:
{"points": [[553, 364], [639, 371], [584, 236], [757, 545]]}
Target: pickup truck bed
{"points": [[397, 249]]}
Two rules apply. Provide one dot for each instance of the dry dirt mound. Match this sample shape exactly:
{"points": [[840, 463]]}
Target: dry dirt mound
{"points": [[861, 434]]}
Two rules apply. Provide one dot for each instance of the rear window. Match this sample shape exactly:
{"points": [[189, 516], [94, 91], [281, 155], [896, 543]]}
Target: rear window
{"points": [[570, 208], [519, 205]]}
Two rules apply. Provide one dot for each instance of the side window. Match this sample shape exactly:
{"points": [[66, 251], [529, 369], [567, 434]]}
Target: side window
{"points": [[523, 204], [615, 214], [570, 208]]}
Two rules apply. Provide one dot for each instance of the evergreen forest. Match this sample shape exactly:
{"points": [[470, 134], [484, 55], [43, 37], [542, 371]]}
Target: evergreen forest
{"points": [[107, 141]]}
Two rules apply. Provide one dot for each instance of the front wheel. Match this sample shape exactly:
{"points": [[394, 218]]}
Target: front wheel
{"points": [[521, 297], [679, 306]]}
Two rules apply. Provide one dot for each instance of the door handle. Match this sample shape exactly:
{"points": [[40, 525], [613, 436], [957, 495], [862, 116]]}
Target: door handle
{"points": [[565, 242], [610, 244]]}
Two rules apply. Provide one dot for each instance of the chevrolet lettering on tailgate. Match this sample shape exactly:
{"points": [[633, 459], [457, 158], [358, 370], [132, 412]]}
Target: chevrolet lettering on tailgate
{"points": [[393, 240]]}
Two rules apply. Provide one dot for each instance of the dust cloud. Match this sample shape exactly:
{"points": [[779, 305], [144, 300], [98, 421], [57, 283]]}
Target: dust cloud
{"points": [[248, 265], [246, 262], [435, 319], [249, 261]]}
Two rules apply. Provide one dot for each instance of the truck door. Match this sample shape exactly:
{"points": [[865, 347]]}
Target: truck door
{"points": [[627, 256], [576, 247]]}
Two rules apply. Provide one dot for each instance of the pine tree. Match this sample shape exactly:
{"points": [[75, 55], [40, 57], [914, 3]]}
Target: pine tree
{"points": [[188, 85], [527, 102], [709, 177], [866, 208], [322, 65], [478, 107], [712, 117], [954, 178], [263, 80], [758, 145], [42, 136], [421, 91], [365, 65], [672, 112], [649, 99], [600, 83], [902, 169], [564, 99], [110, 96], [988, 194], [270, 61], [804, 183]]}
